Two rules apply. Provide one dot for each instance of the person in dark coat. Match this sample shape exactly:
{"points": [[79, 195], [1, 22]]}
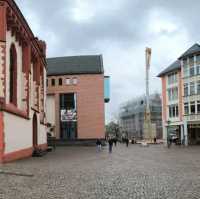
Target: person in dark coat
{"points": [[127, 141], [154, 139], [98, 143], [115, 141], [110, 143]]}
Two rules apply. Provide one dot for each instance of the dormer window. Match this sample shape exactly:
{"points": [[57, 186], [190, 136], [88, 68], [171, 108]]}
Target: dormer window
{"points": [[52, 82], [60, 81]]}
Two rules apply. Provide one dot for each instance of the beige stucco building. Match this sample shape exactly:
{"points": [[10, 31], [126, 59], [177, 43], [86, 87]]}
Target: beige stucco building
{"points": [[181, 97]]}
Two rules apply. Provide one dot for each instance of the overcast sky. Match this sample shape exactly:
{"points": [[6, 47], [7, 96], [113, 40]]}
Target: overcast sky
{"points": [[119, 30]]}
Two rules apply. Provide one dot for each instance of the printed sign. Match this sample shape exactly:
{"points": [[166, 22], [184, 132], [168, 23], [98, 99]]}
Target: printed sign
{"points": [[68, 115]]}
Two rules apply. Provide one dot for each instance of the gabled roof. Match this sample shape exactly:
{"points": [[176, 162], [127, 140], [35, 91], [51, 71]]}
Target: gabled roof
{"points": [[89, 64], [192, 50], [174, 66]]}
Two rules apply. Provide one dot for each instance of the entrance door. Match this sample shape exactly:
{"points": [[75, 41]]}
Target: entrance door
{"points": [[68, 118], [35, 131]]}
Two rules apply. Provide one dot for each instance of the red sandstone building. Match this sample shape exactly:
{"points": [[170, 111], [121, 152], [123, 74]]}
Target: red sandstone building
{"points": [[22, 86], [75, 97]]}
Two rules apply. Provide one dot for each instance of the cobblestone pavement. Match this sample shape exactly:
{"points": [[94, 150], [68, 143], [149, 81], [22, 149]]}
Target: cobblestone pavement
{"points": [[80, 172]]}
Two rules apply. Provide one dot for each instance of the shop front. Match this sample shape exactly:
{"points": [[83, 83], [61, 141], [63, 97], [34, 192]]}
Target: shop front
{"points": [[194, 134]]}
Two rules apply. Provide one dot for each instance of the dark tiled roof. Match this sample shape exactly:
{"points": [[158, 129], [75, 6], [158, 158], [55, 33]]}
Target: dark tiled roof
{"points": [[174, 66], [89, 64], [192, 50]]}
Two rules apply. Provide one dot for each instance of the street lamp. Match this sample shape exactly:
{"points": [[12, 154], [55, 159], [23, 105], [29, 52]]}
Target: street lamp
{"points": [[168, 123]]}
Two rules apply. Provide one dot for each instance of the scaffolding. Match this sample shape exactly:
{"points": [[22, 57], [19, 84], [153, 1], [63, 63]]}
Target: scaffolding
{"points": [[132, 115]]}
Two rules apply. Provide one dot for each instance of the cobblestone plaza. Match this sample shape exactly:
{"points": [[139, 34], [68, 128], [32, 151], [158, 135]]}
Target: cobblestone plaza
{"points": [[80, 172]]}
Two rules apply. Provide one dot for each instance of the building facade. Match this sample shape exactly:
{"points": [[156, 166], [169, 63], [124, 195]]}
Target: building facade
{"points": [[181, 97], [75, 97], [132, 116], [22, 86]]}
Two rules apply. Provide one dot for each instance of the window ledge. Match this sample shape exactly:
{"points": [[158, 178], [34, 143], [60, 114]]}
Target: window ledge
{"points": [[11, 108]]}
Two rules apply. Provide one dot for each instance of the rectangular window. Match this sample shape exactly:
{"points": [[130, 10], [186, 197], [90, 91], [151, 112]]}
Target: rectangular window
{"points": [[175, 78], [198, 87], [47, 82], [74, 80], [176, 114], [175, 93], [191, 61], [186, 108], [185, 68], [172, 78], [173, 111], [185, 71], [60, 81], [192, 88], [52, 82], [169, 94], [198, 59], [169, 79], [170, 111], [198, 107], [68, 81], [192, 72], [186, 91], [192, 108], [198, 69]]}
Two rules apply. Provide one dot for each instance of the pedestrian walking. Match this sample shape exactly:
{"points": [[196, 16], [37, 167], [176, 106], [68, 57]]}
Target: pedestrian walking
{"points": [[169, 142], [154, 139], [110, 143], [98, 143], [127, 142], [115, 141]]}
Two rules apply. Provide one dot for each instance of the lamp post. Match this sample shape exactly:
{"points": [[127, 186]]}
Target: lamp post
{"points": [[168, 123]]}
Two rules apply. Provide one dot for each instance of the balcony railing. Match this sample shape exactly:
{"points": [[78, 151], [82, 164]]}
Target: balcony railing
{"points": [[192, 117]]}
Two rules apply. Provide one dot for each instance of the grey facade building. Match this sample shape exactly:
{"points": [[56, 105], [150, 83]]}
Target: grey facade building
{"points": [[132, 113]]}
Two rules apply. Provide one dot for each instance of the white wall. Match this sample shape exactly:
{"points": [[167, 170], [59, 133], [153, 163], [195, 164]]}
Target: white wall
{"points": [[50, 111], [42, 134], [18, 132]]}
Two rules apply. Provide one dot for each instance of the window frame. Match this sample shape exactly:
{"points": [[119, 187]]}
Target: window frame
{"points": [[13, 75], [60, 81], [53, 82]]}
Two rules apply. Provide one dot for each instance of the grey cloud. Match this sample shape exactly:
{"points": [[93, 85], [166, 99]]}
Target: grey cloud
{"points": [[125, 28]]}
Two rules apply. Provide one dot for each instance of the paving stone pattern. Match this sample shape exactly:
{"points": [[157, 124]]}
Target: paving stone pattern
{"points": [[153, 172]]}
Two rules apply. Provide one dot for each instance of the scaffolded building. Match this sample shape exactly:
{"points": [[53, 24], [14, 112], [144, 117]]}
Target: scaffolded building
{"points": [[132, 114]]}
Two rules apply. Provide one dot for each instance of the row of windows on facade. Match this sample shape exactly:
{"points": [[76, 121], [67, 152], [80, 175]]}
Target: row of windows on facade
{"points": [[189, 108], [191, 70], [68, 81], [13, 76], [192, 88], [192, 107], [188, 71], [191, 61]]}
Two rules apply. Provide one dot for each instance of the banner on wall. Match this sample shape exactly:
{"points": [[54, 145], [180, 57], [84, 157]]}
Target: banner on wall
{"points": [[68, 115]]}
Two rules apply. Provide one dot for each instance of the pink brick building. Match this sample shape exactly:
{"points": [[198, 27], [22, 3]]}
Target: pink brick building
{"points": [[75, 97]]}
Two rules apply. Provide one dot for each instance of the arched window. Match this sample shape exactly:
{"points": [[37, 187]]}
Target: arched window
{"points": [[13, 75]]}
